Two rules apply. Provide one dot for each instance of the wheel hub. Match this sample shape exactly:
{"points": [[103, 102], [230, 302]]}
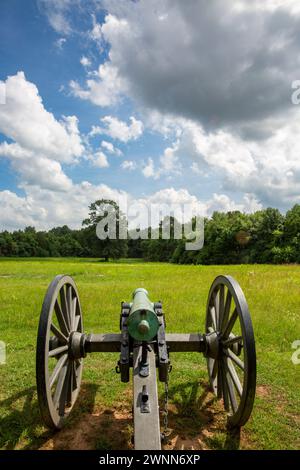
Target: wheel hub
{"points": [[212, 343], [76, 345]]}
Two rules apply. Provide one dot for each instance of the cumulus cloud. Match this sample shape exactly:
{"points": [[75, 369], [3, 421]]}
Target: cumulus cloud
{"points": [[25, 120], [129, 165], [168, 163], [117, 129], [217, 75], [85, 61], [59, 43], [40, 143], [219, 63], [95, 33], [34, 170], [57, 12], [109, 147], [45, 209], [104, 89], [149, 171], [100, 160], [268, 168]]}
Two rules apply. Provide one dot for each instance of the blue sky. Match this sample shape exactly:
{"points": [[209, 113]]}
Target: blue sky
{"points": [[152, 99]]}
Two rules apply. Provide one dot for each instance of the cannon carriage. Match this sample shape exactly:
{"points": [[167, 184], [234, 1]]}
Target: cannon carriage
{"points": [[145, 348]]}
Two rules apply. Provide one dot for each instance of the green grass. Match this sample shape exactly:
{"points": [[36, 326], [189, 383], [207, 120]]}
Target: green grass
{"points": [[273, 294]]}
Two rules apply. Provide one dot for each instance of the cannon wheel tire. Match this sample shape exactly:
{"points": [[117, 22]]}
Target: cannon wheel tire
{"points": [[232, 370], [58, 374]]}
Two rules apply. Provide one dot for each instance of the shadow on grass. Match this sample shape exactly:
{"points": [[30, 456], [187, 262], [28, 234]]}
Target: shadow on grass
{"points": [[21, 426], [197, 420]]}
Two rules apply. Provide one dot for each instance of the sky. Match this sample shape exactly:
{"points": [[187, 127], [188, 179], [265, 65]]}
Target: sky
{"points": [[158, 101]]}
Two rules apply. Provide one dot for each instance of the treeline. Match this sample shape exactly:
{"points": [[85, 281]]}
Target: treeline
{"points": [[266, 236]]}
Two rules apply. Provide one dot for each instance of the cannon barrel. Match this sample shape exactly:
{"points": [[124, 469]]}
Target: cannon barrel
{"points": [[142, 321]]}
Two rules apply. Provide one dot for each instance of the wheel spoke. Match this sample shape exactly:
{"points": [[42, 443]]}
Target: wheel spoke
{"points": [[230, 324], [219, 382], [64, 305], [76, 323], [70, 305], [212, 312], [221, 306], [70, 384], [228, 342], [216, 305], [224, 387], [58, 334], [58, 350], [73, 314], [78, 363], [64, 392], [234, 358], [230, 388], [60, 384], [60, 364], [74, 376], [214, 370], [61, 319], [226, 310], [234, 376]]}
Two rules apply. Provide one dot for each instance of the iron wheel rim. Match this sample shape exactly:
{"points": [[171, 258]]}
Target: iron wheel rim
{"points": [[60, 316], [224, 371]]}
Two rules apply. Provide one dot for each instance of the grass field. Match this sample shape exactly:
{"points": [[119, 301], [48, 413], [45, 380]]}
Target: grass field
{"points": [[102, 417]]}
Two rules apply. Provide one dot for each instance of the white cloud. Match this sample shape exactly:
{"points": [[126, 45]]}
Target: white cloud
{"points": [[103, 90], [57, 12], [221, 202], [269, 168], [25, 120], [59, 43], [109, 147], [169, 163], [235, 100], [34, 170], [181, 198], [40, 142], [45, 209], [100, 160], [85, 61], [148, 170], [95, 33], [129, 165], [117, 129], [156, 46]]}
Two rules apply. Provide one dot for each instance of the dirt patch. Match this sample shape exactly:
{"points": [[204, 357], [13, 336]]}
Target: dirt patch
{"points": [[263, 391], [192, 425], [105, 429]]}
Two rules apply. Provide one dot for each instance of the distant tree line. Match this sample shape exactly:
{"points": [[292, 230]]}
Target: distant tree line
{"points": [[266, 236]]}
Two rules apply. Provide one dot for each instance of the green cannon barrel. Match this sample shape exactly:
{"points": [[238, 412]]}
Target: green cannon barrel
{"points": [[142, 321]]}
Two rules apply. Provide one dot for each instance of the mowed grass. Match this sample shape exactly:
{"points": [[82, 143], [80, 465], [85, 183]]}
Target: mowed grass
{"points": [[273, 295]]}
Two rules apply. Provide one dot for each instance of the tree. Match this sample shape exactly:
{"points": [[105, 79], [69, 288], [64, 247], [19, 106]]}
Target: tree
{"points": [[266, 231], [113, 246]]}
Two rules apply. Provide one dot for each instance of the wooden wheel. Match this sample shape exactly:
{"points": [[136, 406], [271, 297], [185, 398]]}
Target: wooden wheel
{"points": [[58, 372], [231, 354]]}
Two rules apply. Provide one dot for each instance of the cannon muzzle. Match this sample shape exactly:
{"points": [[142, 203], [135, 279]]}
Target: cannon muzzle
{"points": [[142, 321]]}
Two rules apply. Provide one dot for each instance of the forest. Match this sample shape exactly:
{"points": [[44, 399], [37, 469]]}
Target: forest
{"points": [[266, 236]]}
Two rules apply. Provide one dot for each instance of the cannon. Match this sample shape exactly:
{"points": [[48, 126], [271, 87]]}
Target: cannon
{"points": [[145, 348]]}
